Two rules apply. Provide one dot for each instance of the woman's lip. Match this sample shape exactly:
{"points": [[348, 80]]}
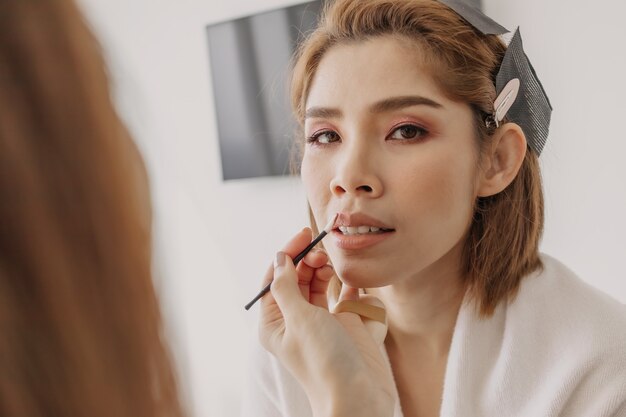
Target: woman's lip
{"points": [[358, 219], [353, 242]]}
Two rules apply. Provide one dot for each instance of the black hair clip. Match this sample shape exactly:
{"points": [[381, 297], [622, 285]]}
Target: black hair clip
{"points": [[520, 95]]}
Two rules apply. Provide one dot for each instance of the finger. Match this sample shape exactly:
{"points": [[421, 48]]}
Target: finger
{"points": [[317, 258], [305, 275], [314, 260], [348, 293], [298, 242], [319, 286], [267, 301], [271, 318], [268, 277], [285, 287], [306, 270], [292, 249], [294, 246]]}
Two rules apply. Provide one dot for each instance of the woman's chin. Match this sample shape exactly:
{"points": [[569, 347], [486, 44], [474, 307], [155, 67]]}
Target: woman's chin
{"points": [[362, 278]]}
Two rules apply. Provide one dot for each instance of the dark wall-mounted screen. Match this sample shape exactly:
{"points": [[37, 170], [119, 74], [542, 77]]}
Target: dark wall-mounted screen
{"points": [[249, 61]]}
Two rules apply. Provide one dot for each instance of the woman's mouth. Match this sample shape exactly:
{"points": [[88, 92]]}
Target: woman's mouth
{"points": [[354, 231], [354, 239], [361, 230]]}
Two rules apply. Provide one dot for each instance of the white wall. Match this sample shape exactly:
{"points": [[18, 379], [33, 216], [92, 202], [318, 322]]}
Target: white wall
{"points": [[215, 240], [577, 48]]}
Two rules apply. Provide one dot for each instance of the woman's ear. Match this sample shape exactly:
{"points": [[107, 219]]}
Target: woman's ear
{"points": [[503, 161]]}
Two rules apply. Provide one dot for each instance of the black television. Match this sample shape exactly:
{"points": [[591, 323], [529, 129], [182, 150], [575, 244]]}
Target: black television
{"points": [[250, 61]]}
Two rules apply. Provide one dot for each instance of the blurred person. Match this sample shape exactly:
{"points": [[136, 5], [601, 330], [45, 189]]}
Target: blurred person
{"points": [[81, 333]]}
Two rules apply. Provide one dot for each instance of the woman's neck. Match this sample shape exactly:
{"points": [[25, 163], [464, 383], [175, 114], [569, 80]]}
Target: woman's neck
{"points": [[422, 310]]}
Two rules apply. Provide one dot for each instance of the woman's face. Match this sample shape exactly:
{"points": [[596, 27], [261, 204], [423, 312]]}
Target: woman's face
{"points": [[391, 153]]}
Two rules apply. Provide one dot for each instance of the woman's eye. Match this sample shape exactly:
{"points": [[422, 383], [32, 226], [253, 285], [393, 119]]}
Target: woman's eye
{"points": [[408, 132], [324, 138]]}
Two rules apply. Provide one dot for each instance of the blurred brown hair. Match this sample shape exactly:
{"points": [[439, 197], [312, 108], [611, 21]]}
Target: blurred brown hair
{"points": [[502, 244], [80, 327]]}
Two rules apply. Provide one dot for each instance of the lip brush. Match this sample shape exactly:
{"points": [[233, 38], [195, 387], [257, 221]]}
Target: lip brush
{"points": [[298, 258]]}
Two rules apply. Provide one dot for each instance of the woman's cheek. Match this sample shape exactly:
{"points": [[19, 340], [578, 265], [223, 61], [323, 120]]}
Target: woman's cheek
{"points": [[305, 175], [315, 178]]}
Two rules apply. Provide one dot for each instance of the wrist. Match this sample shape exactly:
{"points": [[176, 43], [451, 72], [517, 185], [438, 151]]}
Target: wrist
{"points": [[357, 406], [357, 398]]}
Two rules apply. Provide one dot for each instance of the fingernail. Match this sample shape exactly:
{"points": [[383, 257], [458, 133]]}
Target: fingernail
{"points": [[280, 259]]}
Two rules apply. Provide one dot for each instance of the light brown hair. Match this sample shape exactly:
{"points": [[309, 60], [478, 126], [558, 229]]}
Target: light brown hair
{"points": [[502, 243], [80, 327]]}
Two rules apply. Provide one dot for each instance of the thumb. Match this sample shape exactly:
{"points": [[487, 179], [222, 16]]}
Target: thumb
{"points": [[285, 286]]}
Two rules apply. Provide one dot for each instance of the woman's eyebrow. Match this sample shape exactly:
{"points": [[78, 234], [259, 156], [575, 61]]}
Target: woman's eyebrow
{"points": [[322, 113], [396, 103], [388, 104]]}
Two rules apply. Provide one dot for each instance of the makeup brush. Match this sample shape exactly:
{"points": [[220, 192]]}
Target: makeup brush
{"points": [[298, 258]]}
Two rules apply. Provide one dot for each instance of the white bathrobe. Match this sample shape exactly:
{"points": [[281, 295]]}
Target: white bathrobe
{"points": [[559, 349]]}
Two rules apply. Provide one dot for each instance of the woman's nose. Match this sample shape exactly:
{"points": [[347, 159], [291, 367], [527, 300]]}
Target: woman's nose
{"points": [[355, 175]]}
